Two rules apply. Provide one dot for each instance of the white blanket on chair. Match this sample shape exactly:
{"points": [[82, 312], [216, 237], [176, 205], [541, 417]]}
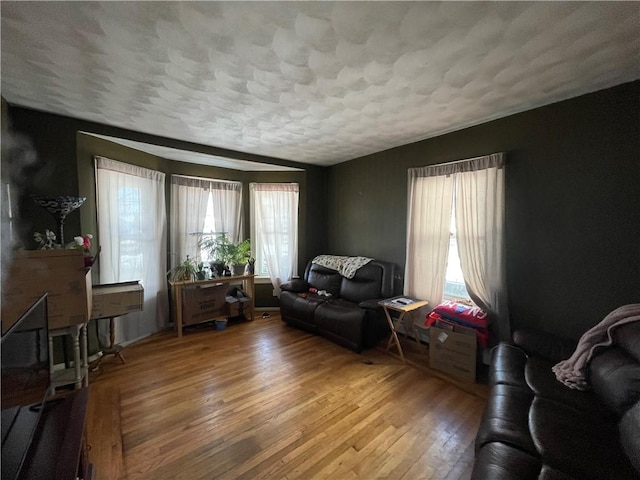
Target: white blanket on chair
{"points": [[572, 372], [346, 266]]}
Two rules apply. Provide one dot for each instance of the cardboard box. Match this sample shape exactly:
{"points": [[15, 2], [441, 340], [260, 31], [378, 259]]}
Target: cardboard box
{"points": [[116, 299], [60, 273], [235, 306], [202, 303], [452, 349]]}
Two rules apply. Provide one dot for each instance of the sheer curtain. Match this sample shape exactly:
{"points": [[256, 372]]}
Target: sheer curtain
{"points": [[132, 234], [191, 200], [227, 208], [189, 197], [478, 188], [275, 229], [479, 191], [429, 215]]}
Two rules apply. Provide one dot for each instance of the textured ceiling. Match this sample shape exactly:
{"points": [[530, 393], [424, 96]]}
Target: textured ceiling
{"points": [[314, 82]]}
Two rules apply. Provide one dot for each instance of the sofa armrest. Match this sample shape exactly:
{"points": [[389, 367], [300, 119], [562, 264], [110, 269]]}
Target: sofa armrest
{"points": [[296, 285], [371, 304], [544, 345]]}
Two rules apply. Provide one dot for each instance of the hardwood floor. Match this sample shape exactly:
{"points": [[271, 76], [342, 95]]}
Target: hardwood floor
{"points": [[264, 400]]}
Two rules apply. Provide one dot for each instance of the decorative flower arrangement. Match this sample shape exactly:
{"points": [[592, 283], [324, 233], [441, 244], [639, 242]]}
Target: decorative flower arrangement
{"points": [[47, 241], [83, 243]]}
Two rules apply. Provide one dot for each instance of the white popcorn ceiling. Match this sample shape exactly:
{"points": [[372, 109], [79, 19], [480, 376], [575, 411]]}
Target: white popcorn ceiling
{"points": [[312, 82]]}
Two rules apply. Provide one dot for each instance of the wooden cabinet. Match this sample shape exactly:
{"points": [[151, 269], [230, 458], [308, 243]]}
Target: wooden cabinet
{"points": [[63, 276], [59, 273]]}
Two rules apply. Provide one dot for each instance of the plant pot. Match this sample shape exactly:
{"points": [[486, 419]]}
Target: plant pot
{"points": [[237, 270], [200, 275], [218, 268]]}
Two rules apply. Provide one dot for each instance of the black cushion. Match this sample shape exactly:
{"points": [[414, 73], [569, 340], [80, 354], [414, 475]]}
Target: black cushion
{"points": [[615, 378], [324, 279], [365, 284], [630, 435]]}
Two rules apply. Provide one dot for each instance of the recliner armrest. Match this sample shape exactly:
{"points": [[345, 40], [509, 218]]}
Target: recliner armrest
{"points": [[544, 345], [296, 285], [371, 304]]}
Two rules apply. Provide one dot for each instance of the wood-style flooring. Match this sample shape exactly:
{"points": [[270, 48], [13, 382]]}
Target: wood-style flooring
{"points": [[264, 400]]}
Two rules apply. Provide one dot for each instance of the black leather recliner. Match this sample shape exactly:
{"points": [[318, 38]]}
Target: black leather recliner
{"points": [[350, 316], [534, 427]]}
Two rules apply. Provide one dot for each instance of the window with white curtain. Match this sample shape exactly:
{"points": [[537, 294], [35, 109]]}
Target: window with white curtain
{"points": [[274, 230], [454, 287], [132, 232], [476, 188], [202, 207]]}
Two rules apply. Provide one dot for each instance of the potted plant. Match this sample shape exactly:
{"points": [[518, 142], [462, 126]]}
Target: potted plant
{"points": [[200, 273], [216, 246], [185, 271], [238, 255], [226, 253]]}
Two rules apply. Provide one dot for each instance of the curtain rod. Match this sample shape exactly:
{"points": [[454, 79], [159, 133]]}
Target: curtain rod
{"points": [[453, 162]]}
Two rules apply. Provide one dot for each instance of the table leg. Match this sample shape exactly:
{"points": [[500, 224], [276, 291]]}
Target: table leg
{"points": [[76, 357], [84, 352], [394, 335], [177, 302], [113, 348], [250, 289]]}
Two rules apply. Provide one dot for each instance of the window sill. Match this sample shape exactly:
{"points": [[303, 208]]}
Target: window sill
{"points": [[260, 280]]}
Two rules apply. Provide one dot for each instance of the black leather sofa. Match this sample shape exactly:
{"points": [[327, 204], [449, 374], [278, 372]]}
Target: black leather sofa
{"points": [[534, 427], [350, 316]]}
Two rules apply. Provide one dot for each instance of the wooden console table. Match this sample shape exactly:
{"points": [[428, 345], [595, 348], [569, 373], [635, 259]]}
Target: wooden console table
{"points": [[248, 285]]}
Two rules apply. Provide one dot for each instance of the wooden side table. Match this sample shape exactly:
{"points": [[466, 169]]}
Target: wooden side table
{"points": [[78, 373], [113, 300], [402, 305]]}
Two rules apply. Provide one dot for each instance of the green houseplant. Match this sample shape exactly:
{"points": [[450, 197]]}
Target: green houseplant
{"points": [[226, 253], [216, 245], [185, 271], [238, 256]]}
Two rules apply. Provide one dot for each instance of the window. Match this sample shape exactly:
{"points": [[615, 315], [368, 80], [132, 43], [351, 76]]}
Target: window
{"points": [[274, 230], [470, 195], [132, 235], [454, 287], [202, 207]]}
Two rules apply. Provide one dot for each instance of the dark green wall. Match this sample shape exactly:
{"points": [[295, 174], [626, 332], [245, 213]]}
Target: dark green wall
{"points": [[572, 205], [65, 167]]}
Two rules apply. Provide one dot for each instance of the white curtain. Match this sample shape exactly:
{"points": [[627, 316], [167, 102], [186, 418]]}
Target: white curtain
{"points": [[189, 197], [477, 185], [227, 208], [479, 191], [191, 200], [429, 215], [275, 214], [132, 233]]}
